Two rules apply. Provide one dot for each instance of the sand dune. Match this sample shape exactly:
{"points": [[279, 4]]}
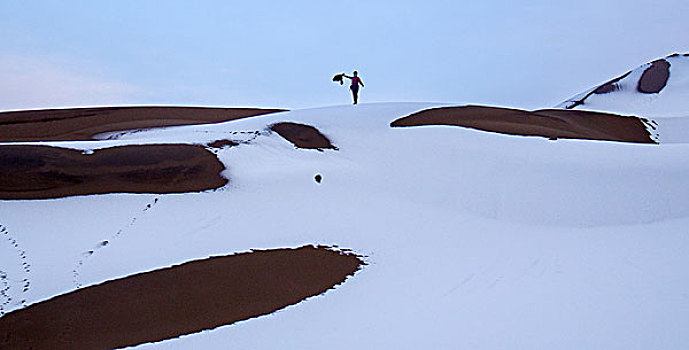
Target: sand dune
{"points": [[460, 225], [302, 136], [179, 300], [654, 89], [550, 123], [39, 172], [84, 123]]}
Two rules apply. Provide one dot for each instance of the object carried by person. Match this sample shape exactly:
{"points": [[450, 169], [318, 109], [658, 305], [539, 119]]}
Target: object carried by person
{"points": [[339, 78]]}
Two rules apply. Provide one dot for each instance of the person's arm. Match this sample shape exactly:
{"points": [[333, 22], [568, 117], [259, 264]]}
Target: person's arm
{"points": [[346, 76], [361, 82]]}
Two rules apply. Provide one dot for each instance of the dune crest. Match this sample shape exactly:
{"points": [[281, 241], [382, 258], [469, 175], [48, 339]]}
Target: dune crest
{"points": [[549, 123], [81, 124]]}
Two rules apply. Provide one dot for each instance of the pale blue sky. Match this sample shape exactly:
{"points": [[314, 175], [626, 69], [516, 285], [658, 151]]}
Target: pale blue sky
{"points": [[526, 54]]}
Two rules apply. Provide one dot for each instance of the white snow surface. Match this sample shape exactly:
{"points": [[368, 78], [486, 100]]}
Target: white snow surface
{"points": [[475, 240], [670, 102]]}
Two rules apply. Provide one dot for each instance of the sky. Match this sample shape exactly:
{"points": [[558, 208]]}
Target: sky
{"points": [[523, 54]]}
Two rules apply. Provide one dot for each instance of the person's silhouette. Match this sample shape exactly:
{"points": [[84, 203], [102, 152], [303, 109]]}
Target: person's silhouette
{"points": [[356, 81]]}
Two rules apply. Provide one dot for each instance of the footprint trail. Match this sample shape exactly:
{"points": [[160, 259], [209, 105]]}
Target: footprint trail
{"points": [[85, 256], [9, 298]]}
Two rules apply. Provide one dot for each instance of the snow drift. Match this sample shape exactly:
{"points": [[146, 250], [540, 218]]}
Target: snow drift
{"points": [[472, 238]]}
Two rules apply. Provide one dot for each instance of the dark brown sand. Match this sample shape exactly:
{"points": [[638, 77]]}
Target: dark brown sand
{"points": [[40, 172], [83, 123], [550, 123], [183, 299], [655, 77], [222, 143], [608, 87], [302, 136]]}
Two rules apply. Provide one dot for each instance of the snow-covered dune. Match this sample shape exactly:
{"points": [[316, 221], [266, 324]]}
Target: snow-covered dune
{"points": [[655, 89], [471, 239]]}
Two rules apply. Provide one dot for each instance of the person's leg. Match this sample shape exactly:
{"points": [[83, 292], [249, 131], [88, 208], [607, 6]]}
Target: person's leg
{"points": [[355, 94]]}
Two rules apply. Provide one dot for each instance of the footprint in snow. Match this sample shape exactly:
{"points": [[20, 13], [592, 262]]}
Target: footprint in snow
{"points": [[7, 284], [76, 272]]}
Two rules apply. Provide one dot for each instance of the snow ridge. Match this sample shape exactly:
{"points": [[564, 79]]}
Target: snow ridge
{"points": [[655, 89]]}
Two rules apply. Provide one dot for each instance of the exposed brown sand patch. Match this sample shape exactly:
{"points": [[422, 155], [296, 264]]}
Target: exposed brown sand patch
{"points": [[302, 136], [83, 123], [222, 143], [655, 77], [608, 87], [550, 123], [39, 172], [174, 301]]}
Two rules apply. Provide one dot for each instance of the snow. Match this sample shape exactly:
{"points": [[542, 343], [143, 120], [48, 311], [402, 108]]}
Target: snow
{"points": [[473, 239], [670, 102]]}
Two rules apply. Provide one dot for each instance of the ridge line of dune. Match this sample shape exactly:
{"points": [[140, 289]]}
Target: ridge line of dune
{"points": [[81, 124], [575, 124]]}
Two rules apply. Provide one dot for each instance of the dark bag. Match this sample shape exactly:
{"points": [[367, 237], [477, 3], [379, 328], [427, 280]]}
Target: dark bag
{"points": [[339, 78]]}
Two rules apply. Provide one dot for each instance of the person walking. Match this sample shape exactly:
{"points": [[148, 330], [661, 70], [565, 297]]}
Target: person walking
{"points": [[356, 81]]}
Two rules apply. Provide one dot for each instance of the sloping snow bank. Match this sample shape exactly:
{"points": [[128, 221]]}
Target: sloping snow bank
{"points": [[624, 97], [474, 239]]}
